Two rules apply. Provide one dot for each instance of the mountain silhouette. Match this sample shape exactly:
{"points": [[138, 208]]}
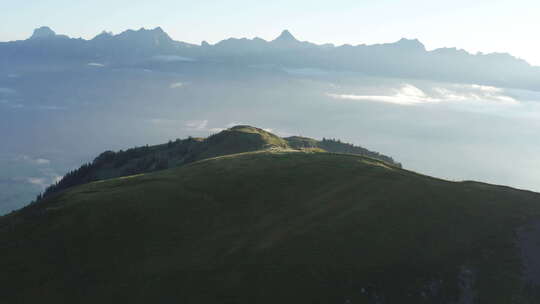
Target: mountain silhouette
{"points": [[406, 58], [285, 36], [285, 39], [43, 33]]}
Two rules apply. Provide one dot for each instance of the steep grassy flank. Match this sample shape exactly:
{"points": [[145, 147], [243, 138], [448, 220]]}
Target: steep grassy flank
{"points": [[269, 227]]}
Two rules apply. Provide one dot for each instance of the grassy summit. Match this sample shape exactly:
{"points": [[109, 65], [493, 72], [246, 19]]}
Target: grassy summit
{"points": [[180, 152], [239, 139], [270, 227]]}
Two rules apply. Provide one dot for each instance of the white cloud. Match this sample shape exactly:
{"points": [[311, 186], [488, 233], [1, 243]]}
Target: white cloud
{"points": [[197, 125], [7, 91], [36, 161], [96, 64], [176, 85], [484, 88], [42, 161], [191, 125], [478, 93], [162, 121], [32, 107], [39, 181], [50, 108], [172, 58], [408, 94], [306, 71], [216, 130]]}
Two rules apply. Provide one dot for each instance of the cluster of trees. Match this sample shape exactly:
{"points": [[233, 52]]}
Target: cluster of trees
{"points": [[335, 145], [110, 164], [82, 175]]}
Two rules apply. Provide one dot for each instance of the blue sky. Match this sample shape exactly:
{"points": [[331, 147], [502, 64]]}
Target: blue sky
{"points": [[480, 25]]}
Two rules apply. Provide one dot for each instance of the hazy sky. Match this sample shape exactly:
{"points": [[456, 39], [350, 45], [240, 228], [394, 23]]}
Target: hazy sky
{"points": [[479, 25]]}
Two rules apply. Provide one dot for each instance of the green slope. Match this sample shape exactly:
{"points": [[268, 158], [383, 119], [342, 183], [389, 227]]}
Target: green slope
{"points": [[333, 145], [236, 140], [176, 153], [270, 227]]}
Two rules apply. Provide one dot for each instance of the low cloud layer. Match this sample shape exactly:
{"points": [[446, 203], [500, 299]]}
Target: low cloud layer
{"points": [[172, 58], [410, 95], [32, 160], [7, 91], [15, 105], [196, 125], [162, 121], [43, 182], [176, 85], [189, 125], [96, 64], [38, 181]]}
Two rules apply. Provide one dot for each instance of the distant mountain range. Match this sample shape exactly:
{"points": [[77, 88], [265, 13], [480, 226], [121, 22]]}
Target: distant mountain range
{"points": [[405, 58]]}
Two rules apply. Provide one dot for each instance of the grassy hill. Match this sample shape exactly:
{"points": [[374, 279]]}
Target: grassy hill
{"points": [[274, 227], [335, 145], [175, 153]]}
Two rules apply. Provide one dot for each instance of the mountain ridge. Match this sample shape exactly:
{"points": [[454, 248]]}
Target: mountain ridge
{"points": [[403, 58], [43, 32], [285, 35], [237, 139]]}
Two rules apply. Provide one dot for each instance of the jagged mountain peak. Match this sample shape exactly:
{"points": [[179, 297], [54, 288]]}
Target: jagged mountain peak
{"points": [[43, 33], [103, 35], [410, 44], [156, 33], [286, 36]]}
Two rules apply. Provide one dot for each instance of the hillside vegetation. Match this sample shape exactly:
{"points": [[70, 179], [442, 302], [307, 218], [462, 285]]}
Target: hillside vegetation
{"points": [[271, 227], [175, 153]]}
